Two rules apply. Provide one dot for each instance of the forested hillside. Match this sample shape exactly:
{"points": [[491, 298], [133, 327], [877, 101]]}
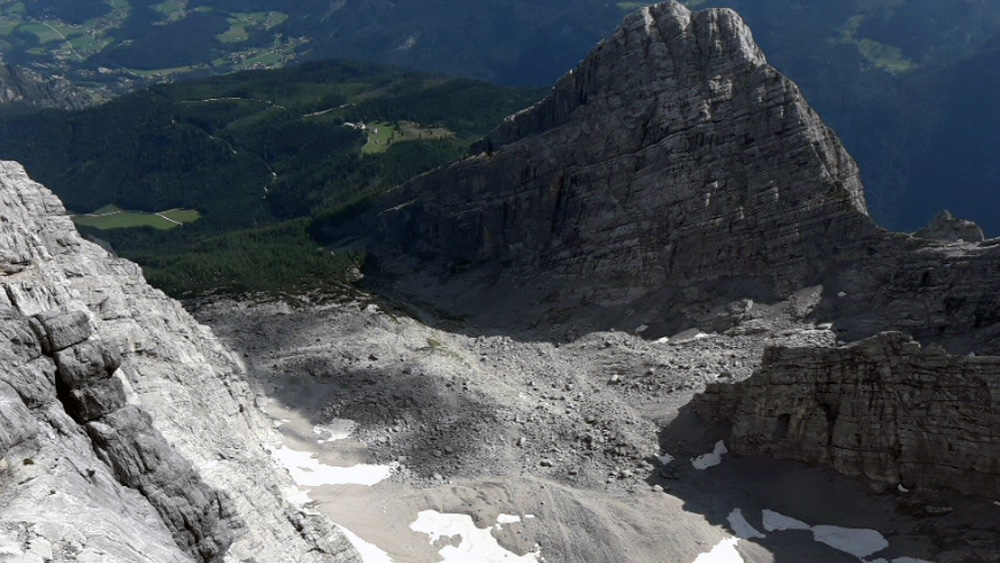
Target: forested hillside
{"points": [[255, 154]]}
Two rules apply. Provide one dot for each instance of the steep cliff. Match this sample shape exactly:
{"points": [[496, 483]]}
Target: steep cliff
{"points": [[674, 155], [884, 408], [674, 167], [129, 431]]}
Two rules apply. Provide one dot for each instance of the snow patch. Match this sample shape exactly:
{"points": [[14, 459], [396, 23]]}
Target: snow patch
{"points": [[744, 530], [370, 553], [336, 429], [475, 544], [723, 552], [647, 15], [774, 521], [307, 471], [710, 459], [508, 519], [859, 542], [296, 496]]}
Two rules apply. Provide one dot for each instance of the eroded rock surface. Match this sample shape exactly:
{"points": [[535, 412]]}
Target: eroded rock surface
{"points": [[129, 433], [671, 169], [885, 408]]}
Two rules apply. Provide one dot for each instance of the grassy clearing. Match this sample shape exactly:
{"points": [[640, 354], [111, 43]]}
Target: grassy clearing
{"points": [[240, 25], [43, 32], [382, 134], [171, 10], [114, 217], [182, 215]]}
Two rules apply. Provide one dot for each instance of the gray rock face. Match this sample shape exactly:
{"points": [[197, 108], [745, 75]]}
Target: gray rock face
{"points": [[884, 408], [127, 430], [945, 226], [674, 155], [673, 168]]}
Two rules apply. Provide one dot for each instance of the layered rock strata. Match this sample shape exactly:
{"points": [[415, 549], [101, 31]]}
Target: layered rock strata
{"points": [[674, 167], [674, 155], [129, 432], [884, 408]]}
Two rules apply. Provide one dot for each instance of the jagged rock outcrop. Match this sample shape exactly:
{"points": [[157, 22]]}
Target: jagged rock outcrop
{"points": [[129, 432], [884, 407], [945, 226]]}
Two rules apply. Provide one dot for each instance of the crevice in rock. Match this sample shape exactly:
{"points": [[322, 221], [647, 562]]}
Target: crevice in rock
{"points": [[123, 436]]}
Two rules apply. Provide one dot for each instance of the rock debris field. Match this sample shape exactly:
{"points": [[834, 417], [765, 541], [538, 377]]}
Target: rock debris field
{"points": [[558, 449]]}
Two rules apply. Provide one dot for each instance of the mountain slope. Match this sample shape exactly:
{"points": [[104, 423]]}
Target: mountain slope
{"points": [[119, 408], [673, 167]]}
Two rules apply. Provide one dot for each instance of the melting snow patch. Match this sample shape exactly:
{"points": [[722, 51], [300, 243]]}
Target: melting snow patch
{"points": [[740, 525], [475, 544], [337, 429], [774, 521], [370, 553], [859, 542], [508, 519], [297, 496], [710, 459], [724, 552], [308, 471]]}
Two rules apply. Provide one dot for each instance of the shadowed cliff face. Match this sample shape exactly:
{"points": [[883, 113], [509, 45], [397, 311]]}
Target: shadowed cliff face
{"points": [[673, 155], [883, 408]]}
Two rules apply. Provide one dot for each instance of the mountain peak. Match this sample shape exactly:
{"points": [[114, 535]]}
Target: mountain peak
{"points": [[672, 156]]}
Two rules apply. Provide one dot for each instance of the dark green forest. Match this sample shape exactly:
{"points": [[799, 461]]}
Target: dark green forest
{"points": [[258, 154]]}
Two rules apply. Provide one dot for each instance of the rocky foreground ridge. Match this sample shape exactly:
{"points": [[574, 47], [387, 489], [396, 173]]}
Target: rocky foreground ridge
{"points": [[128, 431], [675, 176]]}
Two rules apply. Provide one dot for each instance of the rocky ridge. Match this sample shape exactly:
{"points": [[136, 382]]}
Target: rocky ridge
{"points": [[120, 409], [901, 415]]}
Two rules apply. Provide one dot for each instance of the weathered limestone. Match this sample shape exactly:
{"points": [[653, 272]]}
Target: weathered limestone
{"points": [[116, 406], [884, 408], [674, 155], [672, 168]]}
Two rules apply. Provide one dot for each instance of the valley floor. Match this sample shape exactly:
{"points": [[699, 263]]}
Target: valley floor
{"points": [[445, 444]]}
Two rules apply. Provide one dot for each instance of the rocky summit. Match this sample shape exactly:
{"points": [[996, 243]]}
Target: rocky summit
{"points": [[673, 157]]}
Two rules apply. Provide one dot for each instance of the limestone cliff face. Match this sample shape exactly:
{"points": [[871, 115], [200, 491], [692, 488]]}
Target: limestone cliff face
{"points": [[128, 433], [884, 408], [674, 167], [672, 150]]}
